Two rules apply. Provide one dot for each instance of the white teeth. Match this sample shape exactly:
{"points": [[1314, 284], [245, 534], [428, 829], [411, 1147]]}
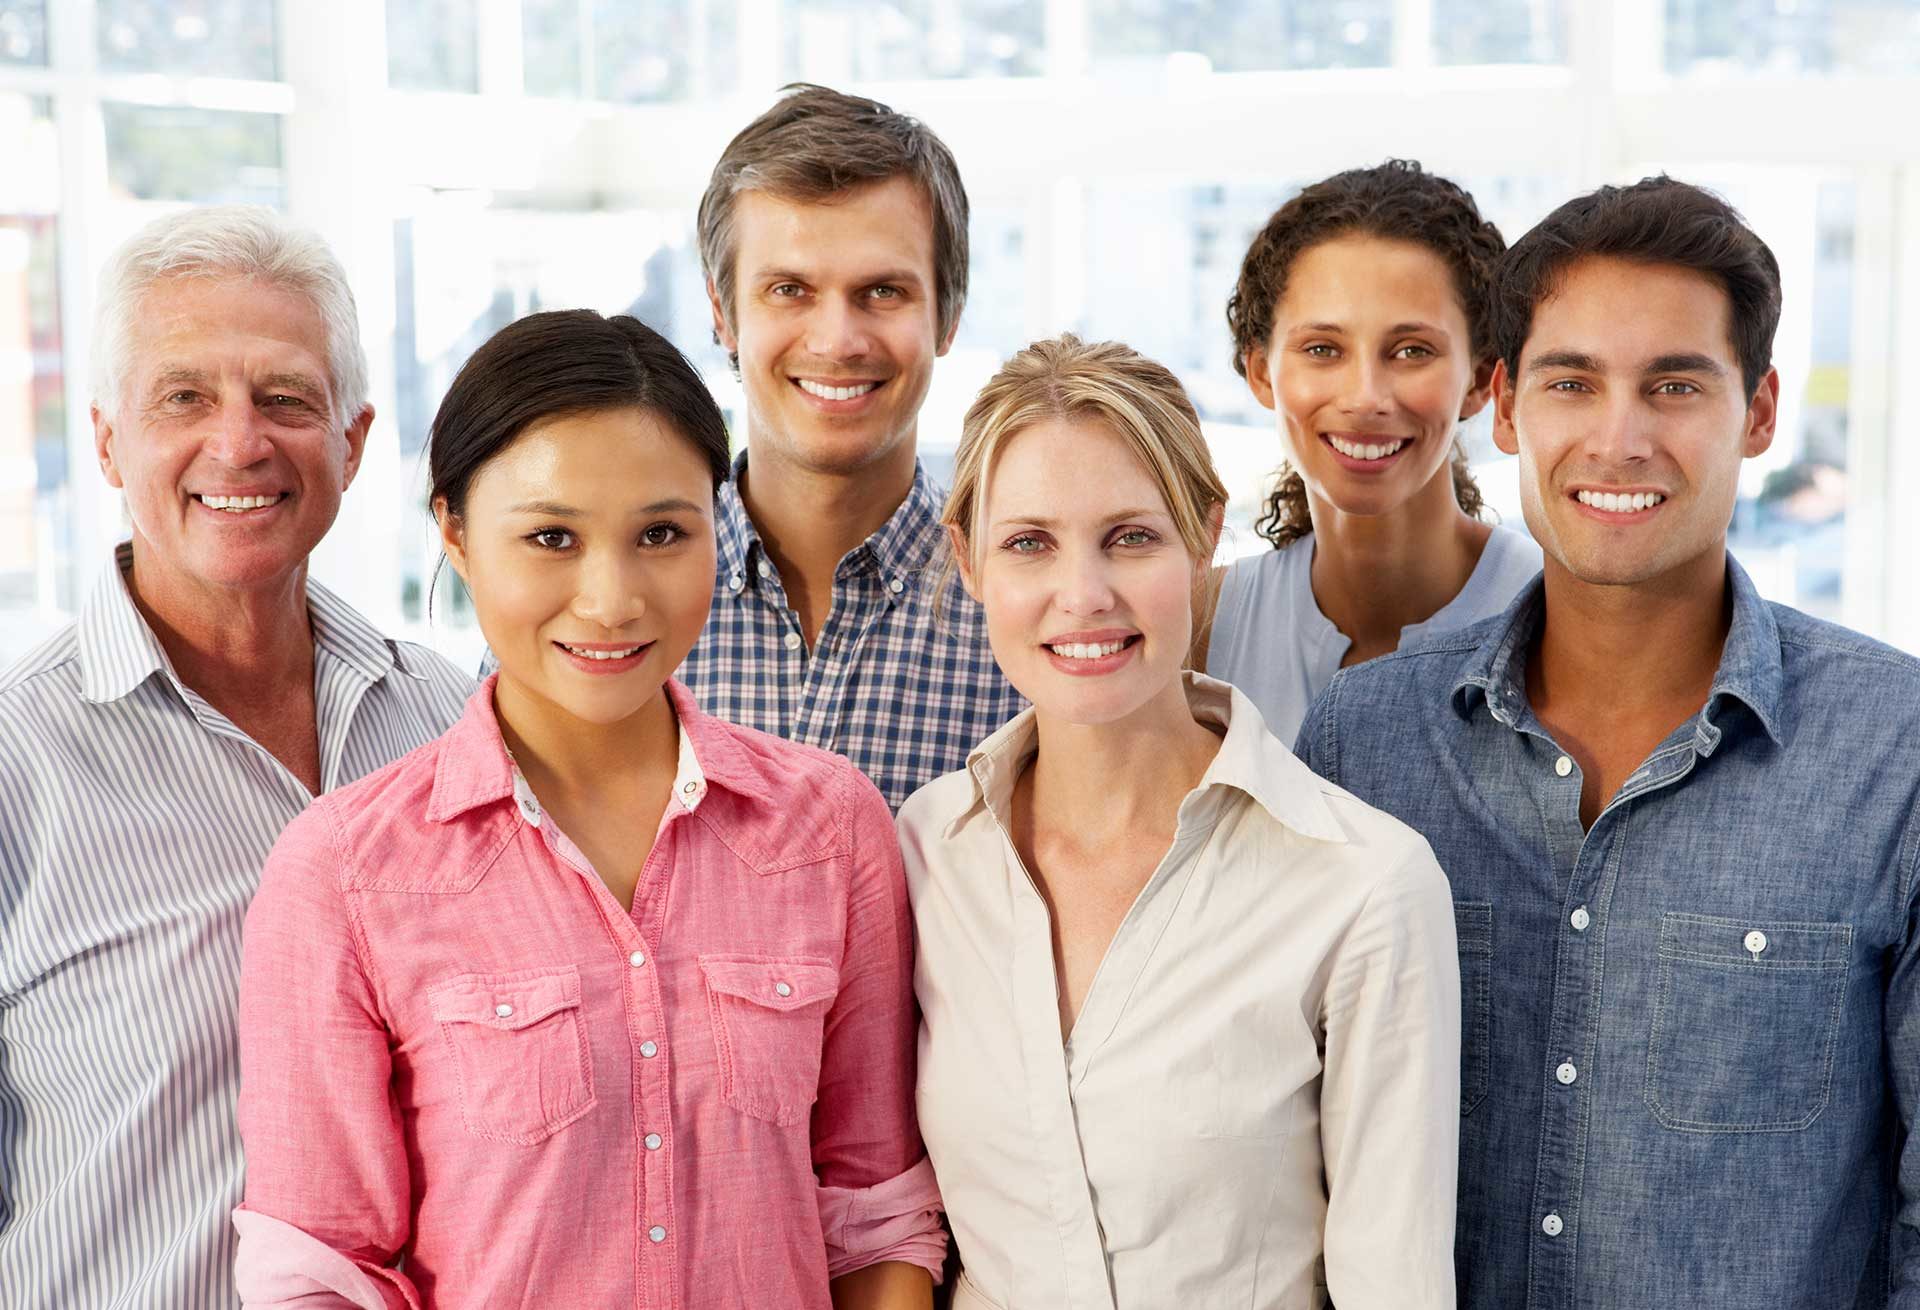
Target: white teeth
{"points": [[1076, 650], [235, 504], [1353, 450], [1611, 503], [835, 393], [600, 654]]}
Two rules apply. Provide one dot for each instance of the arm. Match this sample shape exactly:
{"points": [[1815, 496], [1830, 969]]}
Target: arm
{"points": [[1390, 1096], [879, 1208], [328, 1191], [1901, 1017]]}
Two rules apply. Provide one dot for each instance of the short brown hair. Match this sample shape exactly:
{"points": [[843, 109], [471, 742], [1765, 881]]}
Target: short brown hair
{"points": [[1657, 220], [816, 143], [1397, 201]]}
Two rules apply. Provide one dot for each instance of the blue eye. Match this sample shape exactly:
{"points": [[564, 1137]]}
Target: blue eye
{"points": [[1135, 537], [1024, 544]]}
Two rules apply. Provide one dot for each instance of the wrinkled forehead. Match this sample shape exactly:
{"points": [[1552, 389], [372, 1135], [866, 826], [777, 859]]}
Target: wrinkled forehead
{"points": [[225, 324]]}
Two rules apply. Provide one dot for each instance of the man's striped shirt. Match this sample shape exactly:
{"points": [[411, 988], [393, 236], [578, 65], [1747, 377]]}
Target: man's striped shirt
{"points": [[134, 819]]}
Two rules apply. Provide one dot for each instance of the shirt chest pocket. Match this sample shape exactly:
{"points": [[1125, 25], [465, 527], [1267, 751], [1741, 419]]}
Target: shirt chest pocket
{"points": [[515, 1044], [769, 1016], [1745, 1017]]}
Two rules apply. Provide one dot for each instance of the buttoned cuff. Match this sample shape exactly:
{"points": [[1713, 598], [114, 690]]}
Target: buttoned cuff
{"points": [[898, 1220], [280, 1267]]}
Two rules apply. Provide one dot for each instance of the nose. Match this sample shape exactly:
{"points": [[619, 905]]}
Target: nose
{"points": [[239, 435], [1623, 432], [837, 329], [609, 590], [1367, 391], [1086, 583]]}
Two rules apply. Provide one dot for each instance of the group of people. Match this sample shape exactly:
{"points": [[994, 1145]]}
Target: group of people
{"points": [[1407, 916]]}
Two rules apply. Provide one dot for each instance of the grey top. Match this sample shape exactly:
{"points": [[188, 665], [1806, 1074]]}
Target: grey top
{"points": [[1272, 642]]}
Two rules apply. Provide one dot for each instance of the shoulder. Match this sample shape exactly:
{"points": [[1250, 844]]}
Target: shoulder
{"points": [[1819, 645], [817, 803], [930, 809], [374, 806], [48, 669], [1269, 570]]}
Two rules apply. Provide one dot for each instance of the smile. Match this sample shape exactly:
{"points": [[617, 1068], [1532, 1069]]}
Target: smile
{"points": [[1076, 650], [627, 652], [1609, 503], [1358, 450], [825, 392], [240, 504]]}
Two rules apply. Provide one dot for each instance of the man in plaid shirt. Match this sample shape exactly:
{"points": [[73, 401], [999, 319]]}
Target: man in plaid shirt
{"points": [[834, 239]]}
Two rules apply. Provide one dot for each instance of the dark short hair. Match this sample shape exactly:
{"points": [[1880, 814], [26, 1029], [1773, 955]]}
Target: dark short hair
{"points": [[1657, 220], [563, 362], [816, 143]]}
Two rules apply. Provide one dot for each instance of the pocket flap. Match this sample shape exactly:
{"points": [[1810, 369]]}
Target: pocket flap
{"points": [[774, 983], [1708, 939], [505, 1000]]}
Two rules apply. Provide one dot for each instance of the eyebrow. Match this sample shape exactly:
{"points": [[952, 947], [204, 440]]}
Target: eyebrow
{"points": [[177, 373], [305, 383], [555, 509], [1573, 359], [1685, 362], [1411, 326], [1679, 362], [1040, 521], [866, 280]]}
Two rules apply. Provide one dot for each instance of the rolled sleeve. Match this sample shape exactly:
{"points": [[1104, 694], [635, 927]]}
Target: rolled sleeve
{"points": [[895, 1220], [327, 1170]]}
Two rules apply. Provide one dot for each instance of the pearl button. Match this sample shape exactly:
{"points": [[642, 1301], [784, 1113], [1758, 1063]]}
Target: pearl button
{"points": [[656, 1234], [791, 641], [653, 1141], [782, 989], [690, 787], [736, 582], [637, 959], [649, 1050], [504, 1010], [1551, 1226], [1756, 941], [1566, 1073], [896, 586], [1563, 766], [1580, 919]]}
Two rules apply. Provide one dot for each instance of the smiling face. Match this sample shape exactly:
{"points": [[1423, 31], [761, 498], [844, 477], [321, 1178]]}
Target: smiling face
{"points": [[588, 547], [1370, 367], [1631, 419], [1081, 570], [224, 436], [834, 323]]}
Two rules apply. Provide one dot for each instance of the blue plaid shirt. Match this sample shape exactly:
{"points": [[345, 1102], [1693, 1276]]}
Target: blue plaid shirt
{"points": [[901, 694]]}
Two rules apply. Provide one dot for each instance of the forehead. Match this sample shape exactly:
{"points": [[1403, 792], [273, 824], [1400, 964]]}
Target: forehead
{"points": [[1362, 278], [879, 226], [602, 461], [1069, 469], [1625, 312], [203, 323]]}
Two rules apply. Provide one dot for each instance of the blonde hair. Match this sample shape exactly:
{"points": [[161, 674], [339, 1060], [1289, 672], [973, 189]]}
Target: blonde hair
{"points": [[1105, 382]]}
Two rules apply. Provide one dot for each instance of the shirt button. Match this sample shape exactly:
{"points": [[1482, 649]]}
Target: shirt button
{"points": [[791, 641], [690, 787], [1580, 919], [504, 1010], [649, 1050], [653, 1141], [896, 586], [656, 1234], [637, 959], [782, 989], [1756, 941], [1563, 766], [1566, 1073], [735, 582], [1551, 1226]]}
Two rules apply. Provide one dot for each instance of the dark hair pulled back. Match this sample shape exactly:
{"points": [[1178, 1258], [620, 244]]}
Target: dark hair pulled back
{"points": [[561, 362], [1398, 201]]}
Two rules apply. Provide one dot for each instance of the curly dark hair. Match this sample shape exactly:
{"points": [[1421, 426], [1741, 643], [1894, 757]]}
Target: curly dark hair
{"points": [[1399, 201]]}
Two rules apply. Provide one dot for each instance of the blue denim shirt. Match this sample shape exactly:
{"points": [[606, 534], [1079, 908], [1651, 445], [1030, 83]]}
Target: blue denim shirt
{"points": [[1691, 1035]]}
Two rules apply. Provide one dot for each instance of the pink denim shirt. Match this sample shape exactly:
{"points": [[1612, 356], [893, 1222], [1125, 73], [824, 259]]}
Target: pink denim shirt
{"points": [[470, 1078]]}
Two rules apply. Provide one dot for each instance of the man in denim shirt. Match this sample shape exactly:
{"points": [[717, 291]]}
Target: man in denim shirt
{"points": [[1682, 824]]}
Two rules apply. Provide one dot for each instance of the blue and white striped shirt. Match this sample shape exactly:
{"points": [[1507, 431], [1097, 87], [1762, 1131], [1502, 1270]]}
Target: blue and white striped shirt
{"points": [[134, 819], [901, 693]]}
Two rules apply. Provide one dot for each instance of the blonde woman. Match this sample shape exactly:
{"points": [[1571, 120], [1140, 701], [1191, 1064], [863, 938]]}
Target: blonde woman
{"points": [[1190, 1028]]}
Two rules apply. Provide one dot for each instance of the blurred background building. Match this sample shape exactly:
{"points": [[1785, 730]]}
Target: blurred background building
{"points": [[474, 160]]}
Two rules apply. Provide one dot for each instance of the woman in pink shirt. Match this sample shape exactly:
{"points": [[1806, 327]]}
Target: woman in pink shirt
{"points": [[595, 1000]]}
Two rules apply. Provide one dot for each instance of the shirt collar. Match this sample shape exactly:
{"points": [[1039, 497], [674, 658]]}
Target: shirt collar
{"points": [[902, 547], [1749, 673], [474, 768], [118, 651], [1250, 760]]}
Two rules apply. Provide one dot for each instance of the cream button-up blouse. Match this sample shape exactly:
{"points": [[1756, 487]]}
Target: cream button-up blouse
{"points": [[1258, 1105]]}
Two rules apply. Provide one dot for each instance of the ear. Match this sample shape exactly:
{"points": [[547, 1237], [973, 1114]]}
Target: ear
{"points": [[963, 557], [1481, 391], [356, 435], [946, 342], [1505, 435], [103, 447], [1216, 522], [1257, 380], [1763, 413], [453, 536], [721, 332]]}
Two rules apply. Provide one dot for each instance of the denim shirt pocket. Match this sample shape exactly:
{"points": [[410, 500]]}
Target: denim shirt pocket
{"points": [[1473, 929], [1746, 1014], [517, 1050], [769, 1019]]}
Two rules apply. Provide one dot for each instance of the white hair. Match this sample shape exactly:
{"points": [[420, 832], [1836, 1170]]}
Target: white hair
{"points": [[248, 241]]}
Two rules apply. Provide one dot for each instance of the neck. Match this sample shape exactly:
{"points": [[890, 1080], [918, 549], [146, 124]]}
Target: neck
{"points": [[1622, 650], [555, 749], [1145, 764], [1374, 574], [223, 639], [808, 519]]}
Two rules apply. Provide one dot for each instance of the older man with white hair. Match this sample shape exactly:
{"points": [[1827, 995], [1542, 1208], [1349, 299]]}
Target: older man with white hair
{"points": [[153, 750]]}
